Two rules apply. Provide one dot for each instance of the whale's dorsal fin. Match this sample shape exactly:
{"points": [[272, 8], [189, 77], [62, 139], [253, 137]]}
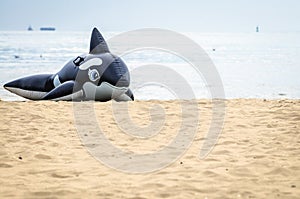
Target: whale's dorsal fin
{"points": [[97, 44]]}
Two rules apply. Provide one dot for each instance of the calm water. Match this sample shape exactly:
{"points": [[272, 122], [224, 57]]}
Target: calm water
{"points": [[251, 65]]}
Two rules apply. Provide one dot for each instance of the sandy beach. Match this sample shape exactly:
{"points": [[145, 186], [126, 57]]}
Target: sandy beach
{"points": [[256, 156]]}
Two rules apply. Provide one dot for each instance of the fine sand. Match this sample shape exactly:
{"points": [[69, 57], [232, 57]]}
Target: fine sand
{"points": [[256, 156]]}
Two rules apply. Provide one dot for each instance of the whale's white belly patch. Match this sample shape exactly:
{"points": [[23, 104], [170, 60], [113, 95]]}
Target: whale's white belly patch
{"points": [[105, 91]]}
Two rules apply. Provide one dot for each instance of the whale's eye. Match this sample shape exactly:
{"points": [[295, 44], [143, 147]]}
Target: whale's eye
{"points": [[93, 75], [78, 60]]}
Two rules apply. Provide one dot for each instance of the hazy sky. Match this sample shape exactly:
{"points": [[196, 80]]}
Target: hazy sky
{"points": [[180, 15]]}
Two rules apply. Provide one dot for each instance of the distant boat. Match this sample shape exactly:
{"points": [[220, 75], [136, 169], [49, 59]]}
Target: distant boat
{"points": [[47, 29], [257, 28], [29, 28]]}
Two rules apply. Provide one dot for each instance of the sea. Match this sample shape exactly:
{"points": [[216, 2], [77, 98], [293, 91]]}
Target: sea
{"points": [[250, 65]]}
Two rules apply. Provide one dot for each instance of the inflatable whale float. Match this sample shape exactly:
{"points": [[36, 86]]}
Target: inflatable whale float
{"points": [[98, 75]]}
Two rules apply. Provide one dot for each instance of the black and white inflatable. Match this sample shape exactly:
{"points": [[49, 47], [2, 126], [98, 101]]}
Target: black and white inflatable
{"points": [[98, 75]]}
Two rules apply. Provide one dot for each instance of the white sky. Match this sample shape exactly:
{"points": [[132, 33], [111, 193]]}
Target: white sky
{"points": [[180, 15]]}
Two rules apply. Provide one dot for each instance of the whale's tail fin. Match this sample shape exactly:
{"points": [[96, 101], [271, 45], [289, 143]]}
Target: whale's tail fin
{"points": [[97, 44], [32, 87]]}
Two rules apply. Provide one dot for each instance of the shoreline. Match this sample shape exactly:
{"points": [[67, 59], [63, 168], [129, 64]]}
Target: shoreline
{"points": [[142, 100]]}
